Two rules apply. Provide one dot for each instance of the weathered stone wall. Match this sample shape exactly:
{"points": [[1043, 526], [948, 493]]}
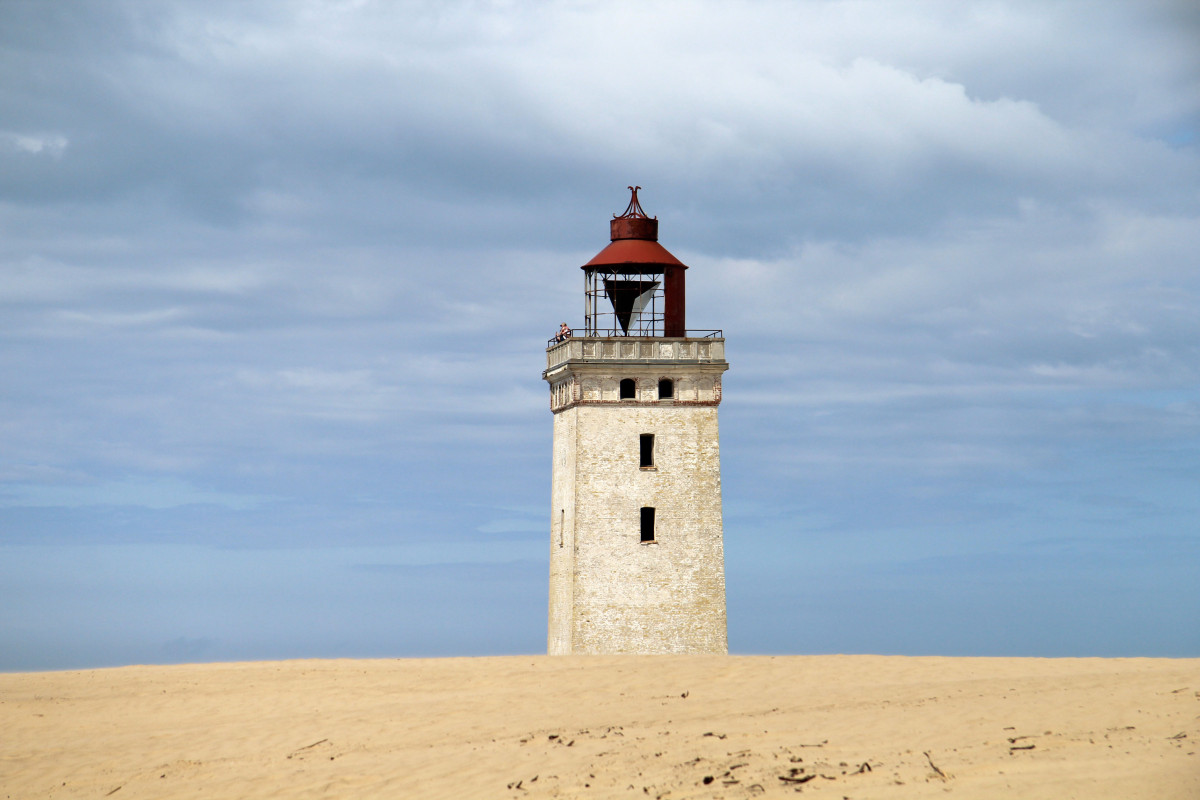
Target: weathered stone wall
{"points": [[609, 591], [562, 535]]}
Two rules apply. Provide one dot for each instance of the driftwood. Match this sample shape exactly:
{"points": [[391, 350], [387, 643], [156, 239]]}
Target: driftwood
{"points": [[801, 779], [929, 758], [307, 747]]}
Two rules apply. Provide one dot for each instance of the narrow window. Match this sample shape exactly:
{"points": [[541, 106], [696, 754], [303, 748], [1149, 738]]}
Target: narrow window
{"points": [[562, 521], [647, 524], [647, 450], [666, 389], [628, 389]]}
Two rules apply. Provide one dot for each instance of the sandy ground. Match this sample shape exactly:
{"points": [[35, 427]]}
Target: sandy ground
{"points": [[654, 726]]}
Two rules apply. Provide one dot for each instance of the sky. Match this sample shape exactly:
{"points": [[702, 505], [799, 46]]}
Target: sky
{"points": [[276, 279]]}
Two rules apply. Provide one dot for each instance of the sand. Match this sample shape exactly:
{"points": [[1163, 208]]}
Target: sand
{"points": [[654, 726]]}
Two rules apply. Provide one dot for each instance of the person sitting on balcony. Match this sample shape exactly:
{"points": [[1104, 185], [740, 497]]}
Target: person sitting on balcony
{"points": [[563, 334]]}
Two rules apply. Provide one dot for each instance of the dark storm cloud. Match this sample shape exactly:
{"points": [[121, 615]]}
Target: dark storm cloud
{"points": [[346, 119]]}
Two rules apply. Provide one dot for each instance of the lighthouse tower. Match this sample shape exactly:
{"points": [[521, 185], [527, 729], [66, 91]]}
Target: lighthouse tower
{"points": [[636, 556]]}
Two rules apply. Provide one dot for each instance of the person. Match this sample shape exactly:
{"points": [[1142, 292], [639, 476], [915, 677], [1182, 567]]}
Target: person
{"points": [[563, 334]]}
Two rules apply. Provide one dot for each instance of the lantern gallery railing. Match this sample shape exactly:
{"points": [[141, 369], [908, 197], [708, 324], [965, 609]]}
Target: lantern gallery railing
{"points": [[620, 334]]}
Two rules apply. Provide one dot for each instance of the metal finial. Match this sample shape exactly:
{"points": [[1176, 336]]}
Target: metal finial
{"points": [[634, 209]]}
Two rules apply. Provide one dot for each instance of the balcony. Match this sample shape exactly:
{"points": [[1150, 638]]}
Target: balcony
{"points": [[698, 347]]}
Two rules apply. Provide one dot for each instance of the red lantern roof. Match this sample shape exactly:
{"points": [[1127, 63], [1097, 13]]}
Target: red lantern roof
{"points": [[634, 242]]}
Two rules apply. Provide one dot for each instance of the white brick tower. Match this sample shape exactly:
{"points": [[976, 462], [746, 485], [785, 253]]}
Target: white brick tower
{"points": [[636, 557]]}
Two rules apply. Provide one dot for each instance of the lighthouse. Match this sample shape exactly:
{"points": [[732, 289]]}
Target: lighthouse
{"points": [[636, 550]]}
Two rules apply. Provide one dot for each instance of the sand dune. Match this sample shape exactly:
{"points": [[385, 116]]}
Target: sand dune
{"points": [[654, 726]]}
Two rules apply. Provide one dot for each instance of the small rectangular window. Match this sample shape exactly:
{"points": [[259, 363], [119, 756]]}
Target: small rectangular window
{"points": [[647, 450], [647, 524]]}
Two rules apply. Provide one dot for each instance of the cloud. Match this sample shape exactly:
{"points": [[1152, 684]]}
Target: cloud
{"points": [[52, 145], [243, 117], [154, 492]]}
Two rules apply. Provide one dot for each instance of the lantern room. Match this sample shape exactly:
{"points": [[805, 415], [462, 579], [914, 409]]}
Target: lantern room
{"points": [[634, 287]]}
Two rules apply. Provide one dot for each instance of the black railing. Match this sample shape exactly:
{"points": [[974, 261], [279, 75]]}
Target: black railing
{"points": [[620, 334]]}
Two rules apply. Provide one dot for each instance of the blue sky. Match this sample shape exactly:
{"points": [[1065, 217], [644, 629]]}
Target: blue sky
{"points": [[275, 281]]}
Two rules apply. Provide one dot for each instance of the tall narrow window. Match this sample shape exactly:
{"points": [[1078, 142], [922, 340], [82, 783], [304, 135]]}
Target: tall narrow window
{"points": [[647, 450], [562, 521], [647, 524], [666, 389], [628, 389]]}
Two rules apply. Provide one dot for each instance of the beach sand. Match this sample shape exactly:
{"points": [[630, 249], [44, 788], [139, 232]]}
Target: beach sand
{"points": [[633, 726]]}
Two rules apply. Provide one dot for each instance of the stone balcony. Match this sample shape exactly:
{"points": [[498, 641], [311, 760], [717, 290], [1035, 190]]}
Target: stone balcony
{"points": [[708, 349]]}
